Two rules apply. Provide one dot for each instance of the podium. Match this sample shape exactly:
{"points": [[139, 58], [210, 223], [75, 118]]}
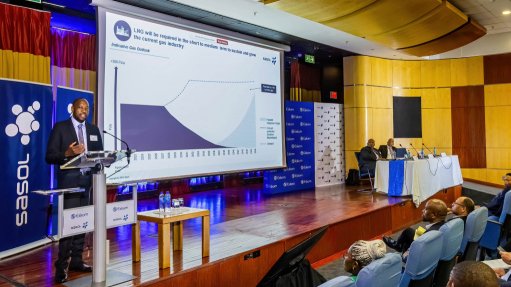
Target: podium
{"points": [[78, 220]]}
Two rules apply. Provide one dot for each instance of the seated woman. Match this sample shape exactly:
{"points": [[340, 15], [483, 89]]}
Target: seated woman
{"points": [[362, 253]]}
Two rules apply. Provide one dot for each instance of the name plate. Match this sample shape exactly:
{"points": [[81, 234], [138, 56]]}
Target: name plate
{"points": [[120, 213], [77, 220]]}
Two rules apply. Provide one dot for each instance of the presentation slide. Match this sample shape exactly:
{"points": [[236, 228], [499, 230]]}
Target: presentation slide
{"points": [[189, 103]]}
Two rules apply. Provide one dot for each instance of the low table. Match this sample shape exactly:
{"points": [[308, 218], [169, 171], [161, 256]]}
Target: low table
{"points": [[176, 218]]}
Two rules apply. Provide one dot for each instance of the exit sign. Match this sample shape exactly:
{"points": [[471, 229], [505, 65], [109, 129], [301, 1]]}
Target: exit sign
{"points": [[309, 59]]}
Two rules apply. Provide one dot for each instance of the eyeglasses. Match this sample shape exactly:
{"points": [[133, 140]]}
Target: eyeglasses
{"points": [[458, 204]]}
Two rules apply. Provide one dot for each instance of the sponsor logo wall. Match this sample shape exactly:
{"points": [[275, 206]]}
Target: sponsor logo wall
{"points": [[25, 120], [329, 144], [299, 131]]}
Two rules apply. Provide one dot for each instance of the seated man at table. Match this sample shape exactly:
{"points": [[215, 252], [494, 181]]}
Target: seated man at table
{"points": [[368, 157], [388, 151], [434, 212], [495, 205]]}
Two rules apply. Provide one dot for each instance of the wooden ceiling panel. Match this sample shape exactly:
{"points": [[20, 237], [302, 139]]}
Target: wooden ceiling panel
{"points": [[439, 22], [469, 32], [413, 26], [319, 10]]}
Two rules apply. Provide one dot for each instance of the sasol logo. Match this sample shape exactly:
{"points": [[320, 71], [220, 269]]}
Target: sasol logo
{"points": [[25, 122], [22, 192], [122, 30], [85, 224]]}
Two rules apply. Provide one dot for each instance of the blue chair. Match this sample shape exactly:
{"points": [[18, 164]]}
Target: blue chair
{"points": [[453, 235], [363, 174], [474, 229], [384, 272], [425, 252], [497, 228]]}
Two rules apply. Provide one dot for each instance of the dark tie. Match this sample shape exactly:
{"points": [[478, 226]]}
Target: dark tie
{"points": [[80, 134]]}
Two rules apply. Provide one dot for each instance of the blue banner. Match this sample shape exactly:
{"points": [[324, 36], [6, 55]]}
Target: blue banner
{"points": [[396, 177], [299, 174], [25, 118], [65, 98]]}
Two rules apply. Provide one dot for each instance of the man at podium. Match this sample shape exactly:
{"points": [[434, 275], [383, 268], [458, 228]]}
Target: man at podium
{"points": [[68, 139]]}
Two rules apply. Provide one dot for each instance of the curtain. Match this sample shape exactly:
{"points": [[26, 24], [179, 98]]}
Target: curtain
{"points": [[24, 44], [73, 59], [305, 83]]}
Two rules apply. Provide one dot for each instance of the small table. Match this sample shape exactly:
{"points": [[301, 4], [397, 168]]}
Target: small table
{"points": [[176, 218]]}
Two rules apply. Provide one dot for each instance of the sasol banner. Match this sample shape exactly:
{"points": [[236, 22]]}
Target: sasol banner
{"points": [[299, 173], [25, 120], [329, 144], [65, 98]]}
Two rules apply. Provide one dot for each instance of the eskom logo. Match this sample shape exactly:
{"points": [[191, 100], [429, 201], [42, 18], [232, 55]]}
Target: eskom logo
{"points": [[25, 122]]}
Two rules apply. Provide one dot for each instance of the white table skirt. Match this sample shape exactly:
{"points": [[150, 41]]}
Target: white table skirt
{"points": [[423, 178]]}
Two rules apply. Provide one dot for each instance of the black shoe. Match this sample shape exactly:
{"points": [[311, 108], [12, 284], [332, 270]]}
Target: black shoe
{"points": [[60, 276], [80, 267], [390, 242]]}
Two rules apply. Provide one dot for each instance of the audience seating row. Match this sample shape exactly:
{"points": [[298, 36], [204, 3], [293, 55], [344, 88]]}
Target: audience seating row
{"points": [[430, 260]]}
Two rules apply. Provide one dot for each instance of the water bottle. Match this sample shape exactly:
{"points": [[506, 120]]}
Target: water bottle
{"points": [[167, 201], [161, 200], [422, 153]]}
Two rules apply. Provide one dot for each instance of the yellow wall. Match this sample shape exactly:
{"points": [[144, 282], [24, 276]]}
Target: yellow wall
{"points": [[370, 83]]}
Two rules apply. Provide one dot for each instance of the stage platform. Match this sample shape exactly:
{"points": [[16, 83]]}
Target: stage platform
{"points": [[243, 220]]}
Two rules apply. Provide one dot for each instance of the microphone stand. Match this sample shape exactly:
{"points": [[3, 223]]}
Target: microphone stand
{"points": [[427, 148], [128, 150], [418, 155]]}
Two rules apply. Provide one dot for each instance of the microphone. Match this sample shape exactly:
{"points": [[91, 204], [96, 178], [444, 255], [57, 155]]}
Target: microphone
{"points": [[128, 150], [427, 148], [415, 149]]}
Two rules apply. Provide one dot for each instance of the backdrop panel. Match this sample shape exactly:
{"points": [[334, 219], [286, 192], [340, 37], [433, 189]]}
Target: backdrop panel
{"points": [[299, 173], [25, 118]]}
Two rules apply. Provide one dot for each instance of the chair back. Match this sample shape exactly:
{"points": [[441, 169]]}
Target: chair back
{"points": [[506, 208], [452, 236], [423, 257], [357, 156], [384, 272], [474, 229], [497, 228]]}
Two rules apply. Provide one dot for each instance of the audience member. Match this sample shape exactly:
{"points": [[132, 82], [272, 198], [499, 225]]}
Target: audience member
{"points": [[461, 207], [368, 157], [495, 205], [362, 253], [388, 151], [434, 212], [472, 274]]}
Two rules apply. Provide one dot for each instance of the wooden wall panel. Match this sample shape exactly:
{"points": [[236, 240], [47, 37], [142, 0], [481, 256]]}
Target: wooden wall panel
{"points": [[435, 73], [406, 73], [467, 71], [348, 70], [475, 173], [356, 127], [381, 72], [436, 128], [496, 130], [468, 126], [497, 69], [382, 127], [381, 97], [436, 98], [497, 95]]}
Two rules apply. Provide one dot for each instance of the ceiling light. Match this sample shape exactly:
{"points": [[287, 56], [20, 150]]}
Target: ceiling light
{"points": [[506, 12]]}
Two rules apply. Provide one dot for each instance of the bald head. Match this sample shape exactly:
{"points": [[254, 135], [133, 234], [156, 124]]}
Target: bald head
{"points": [[370, 143]]}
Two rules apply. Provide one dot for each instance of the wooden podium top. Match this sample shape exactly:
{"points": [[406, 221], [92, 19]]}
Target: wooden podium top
{"points": [[175, 215]]}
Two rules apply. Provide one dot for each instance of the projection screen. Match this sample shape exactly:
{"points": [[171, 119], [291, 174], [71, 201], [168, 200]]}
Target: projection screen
{"points": [[189, 98]]}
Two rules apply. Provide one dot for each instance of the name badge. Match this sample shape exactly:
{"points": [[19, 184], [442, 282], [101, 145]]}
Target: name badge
{"points": [[93, 138]]}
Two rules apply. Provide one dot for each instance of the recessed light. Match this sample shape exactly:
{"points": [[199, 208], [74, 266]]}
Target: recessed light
{"points": [[506, 12]]}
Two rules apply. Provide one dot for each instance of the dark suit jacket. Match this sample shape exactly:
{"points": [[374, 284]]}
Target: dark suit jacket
{"points": [[383, 150], [368, 158], [62, 135], [436, 226]]}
